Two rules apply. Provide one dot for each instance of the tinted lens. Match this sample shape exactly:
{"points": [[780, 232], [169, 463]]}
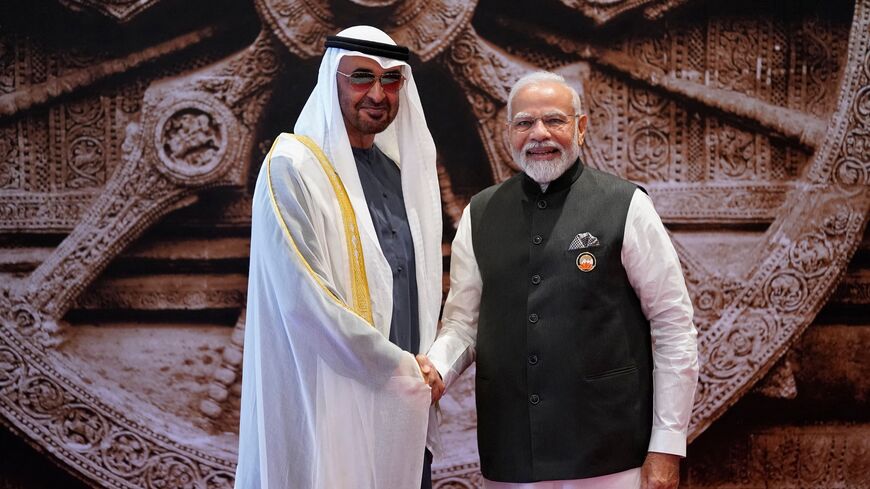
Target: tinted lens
{"points": [[361, 79], [391, 81]]}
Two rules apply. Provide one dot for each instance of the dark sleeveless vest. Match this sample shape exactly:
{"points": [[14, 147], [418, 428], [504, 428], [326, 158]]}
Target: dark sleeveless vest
{"points": [[564, 360]]}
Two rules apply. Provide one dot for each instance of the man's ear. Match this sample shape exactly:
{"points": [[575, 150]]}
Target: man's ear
{"points": [[581, 128]]}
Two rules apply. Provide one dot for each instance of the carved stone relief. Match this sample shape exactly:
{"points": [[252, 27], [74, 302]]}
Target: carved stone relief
{"points": [[427, 27], [731, 118], [121, 10]]}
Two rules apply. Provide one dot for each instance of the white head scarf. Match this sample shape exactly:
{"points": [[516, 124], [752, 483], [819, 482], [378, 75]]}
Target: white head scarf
{"points": [[408, 142]]}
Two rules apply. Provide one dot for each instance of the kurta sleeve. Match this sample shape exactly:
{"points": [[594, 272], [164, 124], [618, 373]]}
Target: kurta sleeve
{"points": [[454, 348], [654, 272]]}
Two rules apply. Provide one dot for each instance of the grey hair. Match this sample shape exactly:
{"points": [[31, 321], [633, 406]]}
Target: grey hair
{"points": [[536, 77]]}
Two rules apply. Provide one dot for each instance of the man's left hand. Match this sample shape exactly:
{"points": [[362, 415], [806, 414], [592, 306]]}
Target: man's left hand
{"points": [[660, 471]]}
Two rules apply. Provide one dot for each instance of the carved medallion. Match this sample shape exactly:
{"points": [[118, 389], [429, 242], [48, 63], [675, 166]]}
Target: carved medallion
{"points": [[192, 139]]}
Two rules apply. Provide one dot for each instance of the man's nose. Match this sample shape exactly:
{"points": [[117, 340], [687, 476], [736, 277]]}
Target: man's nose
{"points": [[539, 130], [376, 93]]}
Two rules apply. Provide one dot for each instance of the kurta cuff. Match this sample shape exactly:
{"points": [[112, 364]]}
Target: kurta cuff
{"points": [[442, 368], [442, 355], [668, 442]]}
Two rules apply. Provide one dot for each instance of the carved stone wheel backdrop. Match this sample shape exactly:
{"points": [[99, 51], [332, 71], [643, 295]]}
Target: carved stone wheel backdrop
{"points": [[748, 124]]}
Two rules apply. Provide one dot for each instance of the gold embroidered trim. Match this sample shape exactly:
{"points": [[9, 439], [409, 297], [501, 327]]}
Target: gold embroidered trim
{"points": [[359, 281]]}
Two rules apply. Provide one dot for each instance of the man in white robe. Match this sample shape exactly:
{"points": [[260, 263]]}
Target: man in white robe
{"points": [[328, 401]]}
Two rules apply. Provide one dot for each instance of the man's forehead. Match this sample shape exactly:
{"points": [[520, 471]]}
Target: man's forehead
{"points": [[353, 62], [545, 113], [542, 98]]}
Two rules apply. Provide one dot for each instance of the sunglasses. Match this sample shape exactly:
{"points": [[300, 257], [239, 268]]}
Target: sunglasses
{"points": [[363, 81]]}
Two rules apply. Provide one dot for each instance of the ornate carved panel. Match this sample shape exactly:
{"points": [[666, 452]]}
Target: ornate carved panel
{"points": [[120, 10], [748, 123]]}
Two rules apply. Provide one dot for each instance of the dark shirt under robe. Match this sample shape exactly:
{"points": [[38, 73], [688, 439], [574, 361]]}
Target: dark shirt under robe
{"points": [[382, 184]]}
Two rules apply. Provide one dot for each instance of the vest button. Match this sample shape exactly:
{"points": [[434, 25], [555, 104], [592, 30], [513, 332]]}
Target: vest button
{"points": [[533, 318], [533, 359], [542, 204], [536, 279], [534, 399], [537, 239]]}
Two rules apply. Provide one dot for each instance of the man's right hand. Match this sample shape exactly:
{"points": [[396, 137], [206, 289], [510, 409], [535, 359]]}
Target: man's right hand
{"points": [[660, 471], [431, 377]]}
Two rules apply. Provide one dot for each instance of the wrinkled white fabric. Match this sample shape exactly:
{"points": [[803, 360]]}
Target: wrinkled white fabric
{"points": [[654, 271], [327, 400], [629, 479]]}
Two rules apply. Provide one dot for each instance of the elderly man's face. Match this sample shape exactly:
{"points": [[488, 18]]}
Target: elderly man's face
{"points": [[542, 147], [365, 112]]}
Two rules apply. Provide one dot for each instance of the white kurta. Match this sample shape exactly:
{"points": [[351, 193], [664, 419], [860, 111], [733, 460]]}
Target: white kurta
{"points": [[654, 272], [629, 479]]}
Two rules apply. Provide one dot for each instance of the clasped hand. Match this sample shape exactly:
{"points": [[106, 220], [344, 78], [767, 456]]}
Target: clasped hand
{"points": [[431, 377], [660, 471]]}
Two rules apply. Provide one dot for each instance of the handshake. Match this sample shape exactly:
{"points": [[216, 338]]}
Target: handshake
{"points": [[431, 377]]}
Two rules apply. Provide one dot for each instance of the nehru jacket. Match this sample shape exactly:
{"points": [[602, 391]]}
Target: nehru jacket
{"points": [[564, 362]]}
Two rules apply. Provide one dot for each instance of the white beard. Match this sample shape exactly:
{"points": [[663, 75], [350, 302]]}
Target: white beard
{"points": [[545, 172]]}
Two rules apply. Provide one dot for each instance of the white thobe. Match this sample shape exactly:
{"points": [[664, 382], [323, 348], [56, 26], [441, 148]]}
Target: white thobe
{"points": [[327, 401]]}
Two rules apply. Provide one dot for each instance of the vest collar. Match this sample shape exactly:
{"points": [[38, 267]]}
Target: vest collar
{"points": [[564, 181]]}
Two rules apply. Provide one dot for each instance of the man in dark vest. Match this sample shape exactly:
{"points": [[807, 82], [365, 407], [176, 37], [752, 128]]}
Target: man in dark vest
{"points": [[567, 292]]}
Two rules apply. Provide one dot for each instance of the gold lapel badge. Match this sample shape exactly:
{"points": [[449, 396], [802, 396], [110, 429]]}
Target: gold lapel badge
{"points": [[586, 262]]}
